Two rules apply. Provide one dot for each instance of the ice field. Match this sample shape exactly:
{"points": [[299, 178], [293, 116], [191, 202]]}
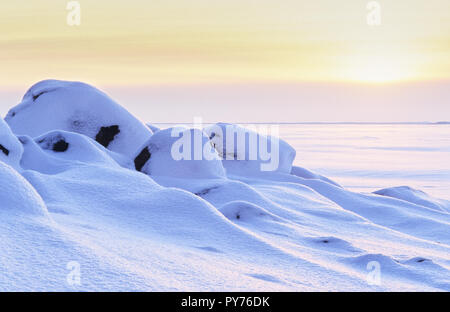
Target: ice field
{"points": [[91, 198]]}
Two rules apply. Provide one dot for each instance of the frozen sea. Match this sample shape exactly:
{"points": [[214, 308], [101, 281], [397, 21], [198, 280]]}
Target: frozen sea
{"points": [[368, 157], [365, 157]]}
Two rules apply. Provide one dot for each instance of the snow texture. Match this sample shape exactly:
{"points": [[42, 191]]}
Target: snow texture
{"points": [[129, 217]]}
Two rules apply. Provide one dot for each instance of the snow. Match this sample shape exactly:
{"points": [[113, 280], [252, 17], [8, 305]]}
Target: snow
{"points": [[370, 157], [237, 156], [172, 155], [77, 107], [414, 196], [307, 174], [10, 148], [18, 197], [206, 224], [153, 127], [42, 153]]}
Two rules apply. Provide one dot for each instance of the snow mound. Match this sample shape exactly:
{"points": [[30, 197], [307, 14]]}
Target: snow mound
{"points": [[77, 107], [332, 244], [17, 196], [389, 212], [55, 151], [180, 153], [10, 148], [414, 196], [245, 151]]}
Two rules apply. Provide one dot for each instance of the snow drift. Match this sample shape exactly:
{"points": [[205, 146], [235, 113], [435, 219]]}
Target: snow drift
{"points": [[131, 216]]}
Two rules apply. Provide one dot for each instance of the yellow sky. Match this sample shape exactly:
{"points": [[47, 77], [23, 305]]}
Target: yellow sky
{"points": [[197, 41]]}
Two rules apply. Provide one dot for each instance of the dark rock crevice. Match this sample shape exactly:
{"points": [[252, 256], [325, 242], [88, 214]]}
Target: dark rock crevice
{"points": [[107, 134], [4, 150], [36, 96], [206, 191], [60, 146], [55, 143], [142, 158]]}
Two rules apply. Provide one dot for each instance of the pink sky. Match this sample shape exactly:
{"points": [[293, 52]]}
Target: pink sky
{"points": [[306, 102]]}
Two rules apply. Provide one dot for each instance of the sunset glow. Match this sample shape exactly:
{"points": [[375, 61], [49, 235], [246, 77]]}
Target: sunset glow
{"points": [[160, 42], [295, 60]]}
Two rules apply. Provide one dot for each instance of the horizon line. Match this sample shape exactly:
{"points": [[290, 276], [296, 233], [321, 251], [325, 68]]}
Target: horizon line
{"points": [[322, 123]]}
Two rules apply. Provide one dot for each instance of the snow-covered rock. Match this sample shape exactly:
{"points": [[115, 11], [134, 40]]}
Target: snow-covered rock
{"points": [[56, 150], [180, 153], [245, 151], [77, 107], [10, 148]]}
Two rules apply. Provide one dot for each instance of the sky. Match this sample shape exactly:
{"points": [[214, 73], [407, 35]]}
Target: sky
{"points": [[290, 60]]}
